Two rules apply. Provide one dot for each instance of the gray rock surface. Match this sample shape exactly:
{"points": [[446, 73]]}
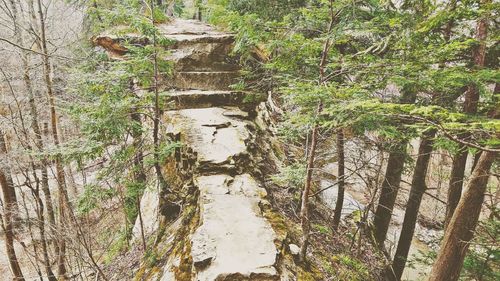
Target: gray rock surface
{"points": [[215, 136], [233, 237], [294, 249]]}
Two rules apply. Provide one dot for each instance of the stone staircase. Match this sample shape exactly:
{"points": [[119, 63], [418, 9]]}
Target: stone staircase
{"points": [[231, 238], [232, 241]]}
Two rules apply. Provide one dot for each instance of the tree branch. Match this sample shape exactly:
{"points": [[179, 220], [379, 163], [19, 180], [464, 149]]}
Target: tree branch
{"points": [[442, 129], [30, 50]]}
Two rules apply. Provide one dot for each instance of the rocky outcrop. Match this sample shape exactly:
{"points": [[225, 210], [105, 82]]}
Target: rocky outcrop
{"points": [[232, 240], [221, 233]]}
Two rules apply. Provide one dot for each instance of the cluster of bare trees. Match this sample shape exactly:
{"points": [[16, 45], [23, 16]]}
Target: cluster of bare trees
{"points": [[34, 37], [36, 133]]}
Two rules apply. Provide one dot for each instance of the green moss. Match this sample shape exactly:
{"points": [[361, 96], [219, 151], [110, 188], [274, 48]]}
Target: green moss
{"points": [[150, 258], [278, 150], [322, 229], [277, 223], [289, 231], [327, 266], [163, 250], [350, 268], [183, 272], [311, 275], [155, 270], [182, 249], [305, 276], [140, 273], [253, 98]]}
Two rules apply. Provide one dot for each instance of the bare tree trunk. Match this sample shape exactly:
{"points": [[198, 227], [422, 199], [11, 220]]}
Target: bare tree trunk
{"points": [[29, 221], [45, 252], [470, 106], [41, 227], [139, 174], [63, 195], [7, 223], [389, 192], [461, 228], [418, 187], [165, 200], [156, 120], [456, 182], [50, 207], [39, 144], [34, 115], [304, 209], [48, 196], [341, 180], [474, 162], [141, 225], [4, 166], [392, 181]]}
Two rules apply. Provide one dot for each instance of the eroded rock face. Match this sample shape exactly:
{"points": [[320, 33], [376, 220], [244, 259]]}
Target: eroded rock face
{"points": [[231, 239]]}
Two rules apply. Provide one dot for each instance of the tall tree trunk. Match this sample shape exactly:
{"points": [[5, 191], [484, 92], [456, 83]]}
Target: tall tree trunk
{"points": [[45, 252], [41, 227], [34, 115], [39, 144], [156, 120], [304, 208], [418, 187], [4, 166], [474, 162], [10, 206], [470, 107], [392, 180], [389, 192], [139, 174], [48, 196], [456, 182], [341, 180], [61, 181], [165, 200], [463, 223]]}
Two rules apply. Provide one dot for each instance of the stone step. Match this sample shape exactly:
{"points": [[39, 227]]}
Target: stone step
{"points": [[233, 242], [188, 32], [216, 134], [203, 57], [182, 40], [183, 34], [204, 99], [204, 80], [116, 45]]}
